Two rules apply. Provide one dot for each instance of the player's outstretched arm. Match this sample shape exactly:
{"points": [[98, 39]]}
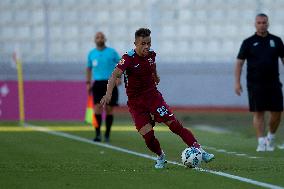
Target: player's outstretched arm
{"points": [[238, 73], [111, 84]]}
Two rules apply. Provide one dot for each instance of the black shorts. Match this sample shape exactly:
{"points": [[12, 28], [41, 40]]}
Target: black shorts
{"points": [[99, 90], [265, 99]]}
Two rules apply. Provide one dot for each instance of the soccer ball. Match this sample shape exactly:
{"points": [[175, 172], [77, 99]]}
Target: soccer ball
{"points": [[191, 157]]}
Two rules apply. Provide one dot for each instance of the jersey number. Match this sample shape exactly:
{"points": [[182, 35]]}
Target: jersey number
{"points": [[162, 111]]}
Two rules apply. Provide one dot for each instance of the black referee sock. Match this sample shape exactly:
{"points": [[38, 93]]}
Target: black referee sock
{"points": [[109, 121], [99, 120]]}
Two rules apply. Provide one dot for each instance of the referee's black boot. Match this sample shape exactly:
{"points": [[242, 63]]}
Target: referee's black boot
{"points": [[97, 139], [106, 139]]}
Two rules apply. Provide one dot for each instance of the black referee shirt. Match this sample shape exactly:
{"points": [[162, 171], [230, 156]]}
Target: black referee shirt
{"points": [[262, 55]]}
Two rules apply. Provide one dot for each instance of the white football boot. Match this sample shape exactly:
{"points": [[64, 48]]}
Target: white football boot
{"points": [[161, 161], [206, 157], [281, 146]]}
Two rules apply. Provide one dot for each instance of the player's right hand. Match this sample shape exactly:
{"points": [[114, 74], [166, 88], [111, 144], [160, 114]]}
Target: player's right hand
{"points": [[105, 100], [238, 89]]}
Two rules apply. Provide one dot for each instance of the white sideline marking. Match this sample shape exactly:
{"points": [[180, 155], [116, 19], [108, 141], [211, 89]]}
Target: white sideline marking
{"points": [[212, 129], [231, 153], [221, 150], [81, 139], [219, 130], [240, 154]]}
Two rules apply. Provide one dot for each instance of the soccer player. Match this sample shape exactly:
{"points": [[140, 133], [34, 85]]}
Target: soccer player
{"points": [[144, 100], [101, 62], [262, 51]]}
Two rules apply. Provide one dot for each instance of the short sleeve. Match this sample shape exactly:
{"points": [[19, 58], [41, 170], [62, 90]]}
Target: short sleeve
{"points": [[89, 61], [281, 49], [124, 62], [243, 51]]}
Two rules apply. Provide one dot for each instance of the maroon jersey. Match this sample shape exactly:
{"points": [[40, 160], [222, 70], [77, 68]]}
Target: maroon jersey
{"points": [[138, 73]]}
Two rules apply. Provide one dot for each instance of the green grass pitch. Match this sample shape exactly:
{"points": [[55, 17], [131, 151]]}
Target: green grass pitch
{"points": [[33, 159]]}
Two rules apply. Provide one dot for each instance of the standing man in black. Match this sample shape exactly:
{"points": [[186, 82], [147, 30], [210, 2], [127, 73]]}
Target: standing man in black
{"points": [[262, 51], [100, 64]]}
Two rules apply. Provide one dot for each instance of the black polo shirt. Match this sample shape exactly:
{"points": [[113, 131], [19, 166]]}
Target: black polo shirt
{"points": [[262, 54]]}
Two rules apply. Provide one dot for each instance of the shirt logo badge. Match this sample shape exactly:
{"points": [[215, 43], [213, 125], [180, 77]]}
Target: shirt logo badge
{"points": [[136, 66], [272, 43], [95, 63], [255, 44], [150, 60]]}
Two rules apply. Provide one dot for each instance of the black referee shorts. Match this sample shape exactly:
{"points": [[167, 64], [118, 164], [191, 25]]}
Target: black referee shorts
{"points": [[99, 90], [265, 99]]}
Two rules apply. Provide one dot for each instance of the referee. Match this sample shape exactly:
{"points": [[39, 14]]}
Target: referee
{"points": [[262, 51], [101, 63]]}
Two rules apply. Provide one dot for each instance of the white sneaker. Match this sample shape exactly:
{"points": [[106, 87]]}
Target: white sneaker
{"points": [[261, 148], [281, 146], [270, 144], [161, 161], [261, 144]]}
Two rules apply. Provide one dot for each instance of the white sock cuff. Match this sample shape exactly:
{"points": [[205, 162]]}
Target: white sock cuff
{"points": [[270, 135], [261, 140]]}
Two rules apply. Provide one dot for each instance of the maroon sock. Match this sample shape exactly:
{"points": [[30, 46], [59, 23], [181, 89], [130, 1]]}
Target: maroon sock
{"points": [[152, 143], [184, 133]]}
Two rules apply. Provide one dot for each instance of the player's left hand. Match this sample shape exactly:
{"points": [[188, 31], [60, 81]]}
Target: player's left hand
{"points": [[105, 100]]}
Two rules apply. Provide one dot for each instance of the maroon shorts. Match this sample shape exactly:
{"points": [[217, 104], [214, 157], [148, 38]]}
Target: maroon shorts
{"points": [[151, 104]]}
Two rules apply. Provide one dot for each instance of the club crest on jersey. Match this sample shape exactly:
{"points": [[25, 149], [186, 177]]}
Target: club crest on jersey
{"points": [[150, 60], [94, 63], [121, 62], [272, 43]]}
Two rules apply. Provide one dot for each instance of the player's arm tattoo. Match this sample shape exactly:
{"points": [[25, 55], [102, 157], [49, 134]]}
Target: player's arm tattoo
{"points": [[117, 73]]}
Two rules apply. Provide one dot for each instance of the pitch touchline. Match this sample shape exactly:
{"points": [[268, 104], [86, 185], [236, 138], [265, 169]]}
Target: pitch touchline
{"points": [[81, 139], [118, 128], [230, 152]]}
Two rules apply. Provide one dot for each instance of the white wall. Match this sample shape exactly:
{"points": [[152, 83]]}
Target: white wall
{"points": [[187, 31]]}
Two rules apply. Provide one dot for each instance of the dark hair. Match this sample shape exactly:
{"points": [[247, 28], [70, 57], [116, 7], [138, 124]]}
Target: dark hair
{"points": [[261, 15], [142, 32]]}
